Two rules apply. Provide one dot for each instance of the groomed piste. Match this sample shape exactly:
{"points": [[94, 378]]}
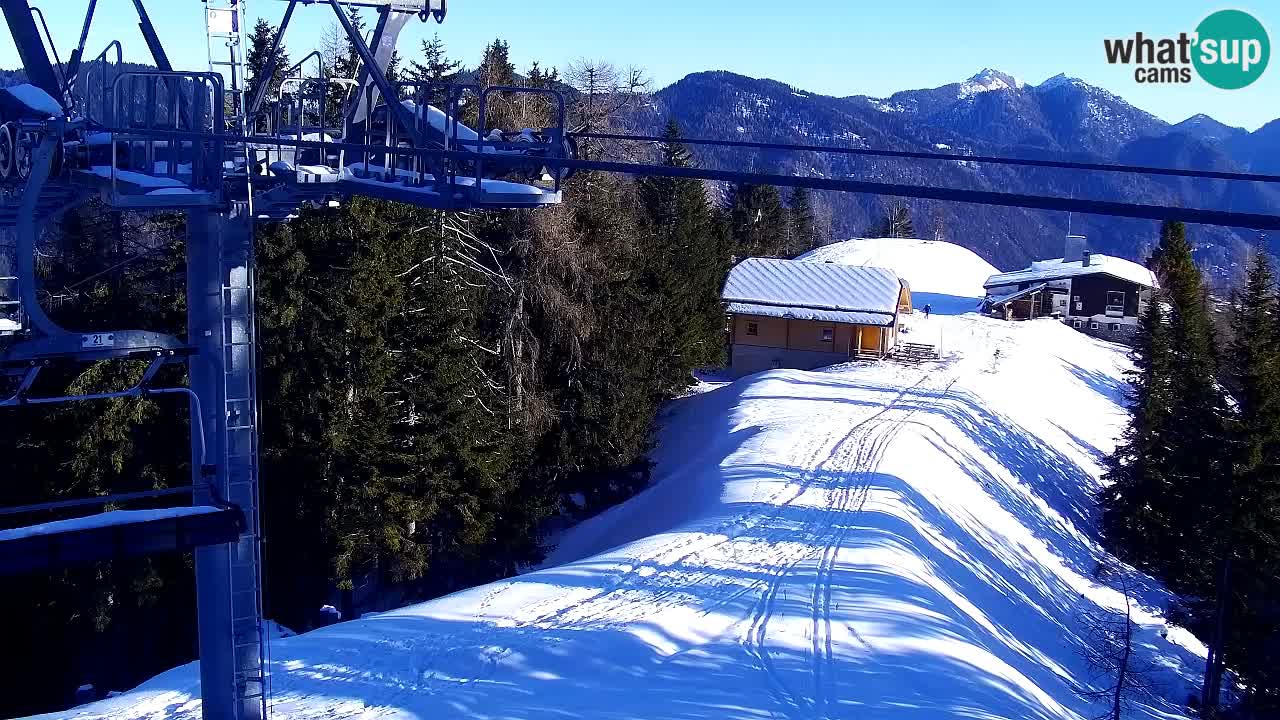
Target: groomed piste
{"points": [[867, 541]]}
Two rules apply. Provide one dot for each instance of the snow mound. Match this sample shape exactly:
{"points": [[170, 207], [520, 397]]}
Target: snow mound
{"points": [[930, 266], [871, 541]]}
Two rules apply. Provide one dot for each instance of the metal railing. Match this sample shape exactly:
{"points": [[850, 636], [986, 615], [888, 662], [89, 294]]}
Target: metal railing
{"points": [[146, 104], [457, 152], [95, 87]]}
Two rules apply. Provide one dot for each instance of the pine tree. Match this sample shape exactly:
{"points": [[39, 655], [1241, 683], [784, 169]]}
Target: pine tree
{"points": [[758, 221], [687, 263], [110, 270], [496, 69], [258, 57], [896, 223], [1196, 434], [1134, 517], [804, 236], [1166, 474], [436, 67], [1244, 621]]}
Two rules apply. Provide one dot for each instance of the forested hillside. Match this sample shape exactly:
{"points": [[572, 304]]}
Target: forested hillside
{"points": [[436, 387]]}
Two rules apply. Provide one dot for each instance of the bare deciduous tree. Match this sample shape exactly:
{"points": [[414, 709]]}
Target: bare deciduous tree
{"points": [[1120, 675], [608, 99]]}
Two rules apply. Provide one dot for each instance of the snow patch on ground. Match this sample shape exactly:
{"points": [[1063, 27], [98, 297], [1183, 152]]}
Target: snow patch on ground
{"points": [[930, 266]]}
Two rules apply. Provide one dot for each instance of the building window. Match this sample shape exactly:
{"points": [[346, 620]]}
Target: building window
{"points": [[1079, 324], [1093, 326], [1115, 327], [1075, 298], [1115, 302], [828, 334], [753, 328], [1079, 305]]}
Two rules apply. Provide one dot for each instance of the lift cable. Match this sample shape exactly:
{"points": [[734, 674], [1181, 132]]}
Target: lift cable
{"points": [[1202, 216], [1225, 218], [912, 154]]}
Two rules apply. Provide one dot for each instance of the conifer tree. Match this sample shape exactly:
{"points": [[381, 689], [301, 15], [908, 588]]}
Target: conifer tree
{"points": [[1196, 434], [256, 60], [495, 69], [1134, 517], [758, 221], [1167, 473], [687, 263], [803, 234], [1244, 621], [436, 67], [896, 223]]}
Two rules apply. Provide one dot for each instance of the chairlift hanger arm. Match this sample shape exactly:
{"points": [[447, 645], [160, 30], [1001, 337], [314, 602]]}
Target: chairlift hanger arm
{"points": [[77, 55], [30, 47], [152, 39], [273, 60], [395, 109]]}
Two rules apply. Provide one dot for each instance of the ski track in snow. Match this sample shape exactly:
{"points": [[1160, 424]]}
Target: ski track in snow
{"points": [[869, 541]]}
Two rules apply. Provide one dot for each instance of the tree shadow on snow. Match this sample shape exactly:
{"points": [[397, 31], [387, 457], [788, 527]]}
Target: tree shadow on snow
{"points": [[927, 620], [1116, 391]]}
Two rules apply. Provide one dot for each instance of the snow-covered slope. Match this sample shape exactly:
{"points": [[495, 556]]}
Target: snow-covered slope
{"points": [[933, 267], [869, 541]]}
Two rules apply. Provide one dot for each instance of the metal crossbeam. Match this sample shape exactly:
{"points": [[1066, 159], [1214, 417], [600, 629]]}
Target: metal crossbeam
{"points": [[97, 501]]}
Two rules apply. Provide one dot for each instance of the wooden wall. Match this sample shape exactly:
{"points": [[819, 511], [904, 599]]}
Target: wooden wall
{"points": [[904, 301], [772, 331], [803, 334]]}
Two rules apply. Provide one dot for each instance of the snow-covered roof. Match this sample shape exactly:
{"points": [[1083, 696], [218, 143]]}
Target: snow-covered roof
{"points": [[801, 313], [792, 286], [1059, 268]]}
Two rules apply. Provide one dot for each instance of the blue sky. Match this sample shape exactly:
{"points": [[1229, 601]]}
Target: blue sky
{"points": [[836, 47]]}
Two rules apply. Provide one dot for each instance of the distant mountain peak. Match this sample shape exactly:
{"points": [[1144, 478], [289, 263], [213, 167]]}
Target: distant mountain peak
{"points": [[1060, 80], [1203, 119], [987, 80], [1206, 127]]}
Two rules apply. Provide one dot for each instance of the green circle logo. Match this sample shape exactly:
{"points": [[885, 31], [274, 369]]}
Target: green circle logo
{"points": [[1232, 49]]}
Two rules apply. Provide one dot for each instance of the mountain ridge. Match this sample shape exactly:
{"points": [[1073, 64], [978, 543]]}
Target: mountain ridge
{"points": [[990, 113]]}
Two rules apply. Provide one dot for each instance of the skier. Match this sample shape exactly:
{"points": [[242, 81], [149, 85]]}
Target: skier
{"points": [[927, 309]]}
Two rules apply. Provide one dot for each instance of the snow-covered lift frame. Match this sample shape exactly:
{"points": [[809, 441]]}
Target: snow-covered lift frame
{"points": [[161, 141]]}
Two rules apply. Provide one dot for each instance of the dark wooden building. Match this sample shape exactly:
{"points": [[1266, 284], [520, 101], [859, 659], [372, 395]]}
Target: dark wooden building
{"points": [[1097, 294]]}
